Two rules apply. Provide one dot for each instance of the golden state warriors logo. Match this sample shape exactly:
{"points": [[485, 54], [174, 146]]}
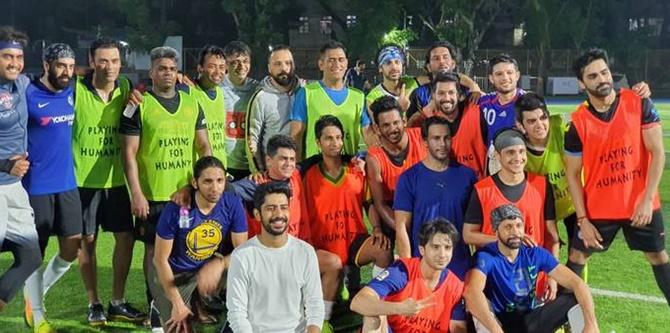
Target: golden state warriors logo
{"points": [[203, 240]]}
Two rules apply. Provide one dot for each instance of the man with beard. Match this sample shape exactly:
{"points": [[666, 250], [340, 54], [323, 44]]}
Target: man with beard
{"points": [[615, 141], [466, 126], [504, 278], [17, 226], [436, 187], [441, 56], [209, 94], [238, 88], [334, 194], [270, 107], [416, 294], [329, 96], [399, 149], [99, 100], [159, 141], [273, 282], [391, 61], [50, 182], [188, 262]]}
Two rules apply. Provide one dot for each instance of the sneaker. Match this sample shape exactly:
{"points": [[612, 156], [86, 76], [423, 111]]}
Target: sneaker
{"points": [[96, 315], [125, 312], [327, 327], [44, 327], [154, 318], [28, 314]]}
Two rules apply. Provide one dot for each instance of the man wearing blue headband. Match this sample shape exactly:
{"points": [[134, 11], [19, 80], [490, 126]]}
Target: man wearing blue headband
{"points": [[17, 226], [391, 61], [50, 182]]}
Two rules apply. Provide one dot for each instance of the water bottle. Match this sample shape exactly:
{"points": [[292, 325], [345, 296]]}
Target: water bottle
{"points": [[184, 220]]}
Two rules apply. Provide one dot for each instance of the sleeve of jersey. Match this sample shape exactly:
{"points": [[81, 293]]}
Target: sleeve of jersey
{"points": [[390, 281], [167, 222], [299, 111], [650, 116], [483, 262], [365, 117], [573, 144], [237, 295], [131, 125], [314, 307], [201, 122], [404, 194], [413, 104], [549, 207], [473, 214], [546, 261], [237, 216]]}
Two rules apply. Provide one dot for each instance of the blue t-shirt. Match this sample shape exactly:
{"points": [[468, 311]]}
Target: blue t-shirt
{"points": [[13, 122], [498, 117], [50, 119], [510, 286], [203, 234], [395, 278], [299, 112], [429, 194]]}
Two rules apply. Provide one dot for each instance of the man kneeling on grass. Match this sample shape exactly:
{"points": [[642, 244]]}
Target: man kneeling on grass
{"points": [[416, 294], [500, 291], [188, 261]]}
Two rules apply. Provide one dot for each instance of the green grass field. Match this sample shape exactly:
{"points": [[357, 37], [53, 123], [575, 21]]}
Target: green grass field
{"points": [[619, 269]]}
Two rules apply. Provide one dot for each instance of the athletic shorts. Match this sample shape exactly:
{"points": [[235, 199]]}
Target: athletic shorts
{"points": [[17, 222], [145, 230], [57, 214], [186, 284], [107, 208], [650, 238]]}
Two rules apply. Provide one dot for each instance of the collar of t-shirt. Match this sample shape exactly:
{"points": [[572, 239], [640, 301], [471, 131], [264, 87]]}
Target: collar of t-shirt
{"points": [[511, 192], [337, 96], [211, 92], [170, 104], [609, 114], [88, 83]]}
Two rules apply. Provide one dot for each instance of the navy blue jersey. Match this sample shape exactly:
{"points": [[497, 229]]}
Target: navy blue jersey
{"points": [[429, 194], [13, 123], [198, 236], [50, 119], [498, 117], [511, 286]]}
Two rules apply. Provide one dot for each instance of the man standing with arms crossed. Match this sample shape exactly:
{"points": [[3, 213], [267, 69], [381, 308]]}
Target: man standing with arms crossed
{"points": [[615, 140], [160, 139], [100, 98]]}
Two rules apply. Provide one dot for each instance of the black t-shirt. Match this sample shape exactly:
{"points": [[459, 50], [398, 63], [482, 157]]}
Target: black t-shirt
{"points": [[473, 215], [573, 143], [133, 125]]}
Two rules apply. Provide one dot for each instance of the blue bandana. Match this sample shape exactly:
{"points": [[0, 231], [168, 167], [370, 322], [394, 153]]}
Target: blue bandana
{"points": [[10, 44], [389, 53], [57, 51]]}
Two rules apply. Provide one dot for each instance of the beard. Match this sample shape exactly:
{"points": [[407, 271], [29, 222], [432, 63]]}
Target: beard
{"points": [[268, 226], [58, 82], [603, 90], [283, 79], [512, 242]]}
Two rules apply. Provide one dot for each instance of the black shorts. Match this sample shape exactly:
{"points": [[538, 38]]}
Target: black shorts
{"points": [[57, 214], [106, 208], [145, 230], [650, 238]]}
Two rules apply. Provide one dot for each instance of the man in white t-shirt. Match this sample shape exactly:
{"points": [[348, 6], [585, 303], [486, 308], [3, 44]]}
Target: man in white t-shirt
{"points": [[273, 282]]}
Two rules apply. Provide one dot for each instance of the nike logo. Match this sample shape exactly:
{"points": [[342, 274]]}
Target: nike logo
{"points": [[40, 105]]}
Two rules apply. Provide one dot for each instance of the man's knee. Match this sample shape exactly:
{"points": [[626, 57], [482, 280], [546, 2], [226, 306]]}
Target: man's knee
{"points": [[657, 258], [329, 262], [578, 256]]}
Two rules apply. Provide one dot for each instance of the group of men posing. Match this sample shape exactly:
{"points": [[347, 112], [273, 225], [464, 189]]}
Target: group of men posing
{"points": [[260, 189]]}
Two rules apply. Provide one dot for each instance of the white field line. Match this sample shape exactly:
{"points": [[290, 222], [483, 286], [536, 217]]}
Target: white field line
{"points": [[625, 295]]}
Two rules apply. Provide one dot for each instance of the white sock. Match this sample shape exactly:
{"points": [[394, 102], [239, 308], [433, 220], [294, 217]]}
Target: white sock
{"points": [[33, 292], [376, 270], [54, 271], [117, 302], [328, 309]]}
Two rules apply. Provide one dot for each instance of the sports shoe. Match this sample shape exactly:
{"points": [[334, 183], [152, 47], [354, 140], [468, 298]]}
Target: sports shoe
{"points": [[154, 318], [44, 327], [96, 315], [327, 327], [125, 312], [28, 314]]}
